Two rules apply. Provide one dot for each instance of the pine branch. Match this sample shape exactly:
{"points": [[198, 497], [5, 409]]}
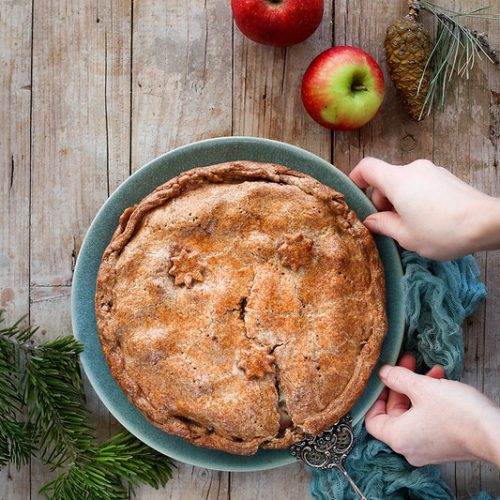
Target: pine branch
{"points": [[10, 399], [17, 442], [45, 379], [17, 439], [456, 50], [106, 473], [53, 393], [11, 338]]}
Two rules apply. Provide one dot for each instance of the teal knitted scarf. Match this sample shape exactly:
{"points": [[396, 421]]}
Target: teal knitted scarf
{"points": [[439, 296]]}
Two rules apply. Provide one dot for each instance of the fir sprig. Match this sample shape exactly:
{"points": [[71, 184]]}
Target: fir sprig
{"points": [[17, 442], [53, 392], [43, 382], [16, 438], [456, 50], [101, 472]]}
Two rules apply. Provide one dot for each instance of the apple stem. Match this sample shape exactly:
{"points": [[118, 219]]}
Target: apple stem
{"points": [[359, 87]]}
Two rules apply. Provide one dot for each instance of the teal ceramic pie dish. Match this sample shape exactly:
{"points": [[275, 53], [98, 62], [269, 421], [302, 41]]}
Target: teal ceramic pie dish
{"points": [[137, 186]]}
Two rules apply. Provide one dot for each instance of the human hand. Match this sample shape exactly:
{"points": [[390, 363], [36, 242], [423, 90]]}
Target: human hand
{"points": [[431, 420], [428, 210]]}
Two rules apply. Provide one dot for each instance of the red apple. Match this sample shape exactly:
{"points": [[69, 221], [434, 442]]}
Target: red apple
{"points": [[277, 22], [343, 88]]}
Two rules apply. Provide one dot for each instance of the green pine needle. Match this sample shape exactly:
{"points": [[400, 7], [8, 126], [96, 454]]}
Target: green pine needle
{"points": [[11, 338], [10, 399], [107, 472], [43, 381], [17, 442], [456, 51], [53, 392]]}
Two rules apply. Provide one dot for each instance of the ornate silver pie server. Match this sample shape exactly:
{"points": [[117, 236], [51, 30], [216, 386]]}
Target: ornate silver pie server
{"points": [[329, 449]]}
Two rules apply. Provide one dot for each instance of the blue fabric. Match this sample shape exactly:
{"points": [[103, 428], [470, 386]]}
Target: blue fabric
{"points": [[439, 296], [484, 496]]}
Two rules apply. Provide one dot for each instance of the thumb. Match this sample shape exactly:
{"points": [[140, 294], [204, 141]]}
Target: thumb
{"points": [[386, 223], [399, 379]]}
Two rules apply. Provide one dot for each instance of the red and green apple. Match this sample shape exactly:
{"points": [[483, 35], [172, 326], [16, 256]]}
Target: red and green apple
{"points": [[343, 88]]}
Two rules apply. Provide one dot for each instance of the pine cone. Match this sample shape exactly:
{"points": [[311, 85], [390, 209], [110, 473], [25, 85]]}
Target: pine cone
{"points": [[407, 48]]}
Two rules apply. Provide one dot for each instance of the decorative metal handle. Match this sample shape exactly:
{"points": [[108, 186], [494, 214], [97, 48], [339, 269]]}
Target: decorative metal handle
{"points": [[329, 449], [352, 483]]}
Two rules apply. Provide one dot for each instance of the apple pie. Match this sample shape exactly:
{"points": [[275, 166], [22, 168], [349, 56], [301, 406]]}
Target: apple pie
{"points": [[241, 305]]}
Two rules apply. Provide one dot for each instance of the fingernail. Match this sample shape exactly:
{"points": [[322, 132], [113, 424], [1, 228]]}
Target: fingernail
{"points": [[384, 371], [371, 223]]}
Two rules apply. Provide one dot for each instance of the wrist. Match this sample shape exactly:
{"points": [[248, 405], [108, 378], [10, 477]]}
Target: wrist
{"points": [[488, 444], [485, 225]]}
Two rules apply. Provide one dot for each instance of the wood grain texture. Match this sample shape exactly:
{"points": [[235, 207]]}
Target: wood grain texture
{"points": [[266, 90], [51, 312], [473, 156], [181, 75], [15, 106], [192, 483], [69, 161], [114, 18], [15, 109], [116, 83], [181, 92], [80, 142], [290, 483]]}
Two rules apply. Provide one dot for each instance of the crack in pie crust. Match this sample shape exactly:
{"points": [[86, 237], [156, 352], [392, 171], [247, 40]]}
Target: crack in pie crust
{"points": [[241, 305]]}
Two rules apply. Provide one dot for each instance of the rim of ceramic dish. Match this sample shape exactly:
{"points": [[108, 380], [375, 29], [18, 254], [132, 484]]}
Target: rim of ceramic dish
{"points": [[80, 292]]}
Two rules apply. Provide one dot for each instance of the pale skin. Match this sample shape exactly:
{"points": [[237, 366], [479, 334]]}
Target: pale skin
{"points": [[427, 418]]}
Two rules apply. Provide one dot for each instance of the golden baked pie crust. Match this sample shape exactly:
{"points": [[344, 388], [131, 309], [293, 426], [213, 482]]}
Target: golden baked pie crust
{"points": [[237, 297]]}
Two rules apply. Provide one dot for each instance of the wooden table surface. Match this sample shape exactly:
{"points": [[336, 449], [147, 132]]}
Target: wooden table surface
{"points": [[90, 90]]}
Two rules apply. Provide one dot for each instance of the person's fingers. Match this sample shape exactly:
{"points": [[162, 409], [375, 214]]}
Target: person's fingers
{"points": [[386, 223], [378, 408], [380, 201], [378, 423], [408, 361], [383, 395], [399, 379], [372, 172], [398, 403], [436, 372]]}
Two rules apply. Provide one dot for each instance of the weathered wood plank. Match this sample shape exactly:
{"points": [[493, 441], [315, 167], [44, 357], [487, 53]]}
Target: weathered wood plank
{"points": [[51, 313], [115, 19], [69, 162], [490, 474], [290, 482], [15, 103], [81, 119], [181, 92], [181, 75], [192, 483], [479, 131], [451, 152], [266, 90]]}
